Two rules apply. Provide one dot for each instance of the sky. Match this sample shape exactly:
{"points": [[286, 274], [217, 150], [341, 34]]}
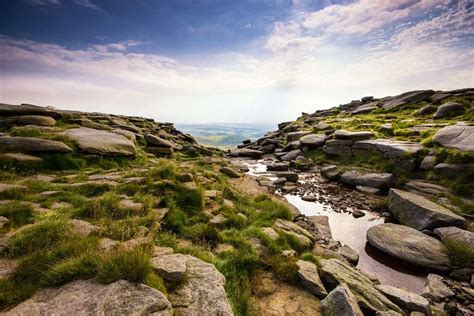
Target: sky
{"points": [[233, 61]]}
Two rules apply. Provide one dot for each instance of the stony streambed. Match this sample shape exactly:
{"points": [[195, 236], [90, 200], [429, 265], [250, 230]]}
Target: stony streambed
{"points": [[346, 228]]}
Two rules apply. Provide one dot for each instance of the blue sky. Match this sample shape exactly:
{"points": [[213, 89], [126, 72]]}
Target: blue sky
{"points": [[229, 61]]}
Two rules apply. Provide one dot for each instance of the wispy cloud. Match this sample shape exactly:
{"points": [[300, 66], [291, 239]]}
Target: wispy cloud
{"points": [[83, 3], [313, 60]]}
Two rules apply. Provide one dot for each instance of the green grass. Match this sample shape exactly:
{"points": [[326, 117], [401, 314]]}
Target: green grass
{"points": [[18, 214], [41, 236], [132, 265], [461, 254]]}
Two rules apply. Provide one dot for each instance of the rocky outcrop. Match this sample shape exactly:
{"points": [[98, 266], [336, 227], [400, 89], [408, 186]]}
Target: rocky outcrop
{"points": [[27, 109], [374, 180], [35, 120], [31, 144], [230, 172], [341, 301], [244, 152], [308, 274], [459, 136], [201, 285], [406, 98], [290, 228], [456, 234], [435, 289], [449, 109], [420, 213], [354, 136], [313, 140], [101, 142], [335, 272], [410, 302], [389, 148], [409, 245], [87, 297]]}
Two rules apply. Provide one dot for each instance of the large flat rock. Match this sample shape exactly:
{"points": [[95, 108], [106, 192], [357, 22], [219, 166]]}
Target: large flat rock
{"points": [[406, 98], [244, 152], [27, 109], [87, 297], [456, 234], [341, 301], [409, 245], [420, 213], [374, 180], [31, 144], [389, 147], [313, 140], [460, 137], [100, 142]]}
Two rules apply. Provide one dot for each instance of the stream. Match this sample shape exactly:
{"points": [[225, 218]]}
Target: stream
{"points": [[352, 232]]}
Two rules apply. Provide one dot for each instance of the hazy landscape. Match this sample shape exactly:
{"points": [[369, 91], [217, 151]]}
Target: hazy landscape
{"points": [[340, 181], [225, 136]]}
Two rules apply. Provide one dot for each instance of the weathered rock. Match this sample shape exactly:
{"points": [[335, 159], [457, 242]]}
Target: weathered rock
{"points": [[99, 142], [435, 289], [386, 128], [292, 136], [407, 300], [31, 144], [330, 172], [406, 98], [22, 158], [308, 274], [245, 152], [290, 228], [130, 135], [309, 198], [374, 180], [230, 172], [335, 272], [7, 266], [270, 233], [171, 267], [343, 134], [87, 297], [33, 120], [219, 219], [276, 298], [322, 224], [322, 125], [460, 137], [201, 291], [456, 234], [389, 148], [291, 155], [313, 140], [368, 190], [349, 254], [289, 176], [278, 166], [365, 108], [425, 187], [409, 245], [27, 109], [341, 301], [420, 213], [449, 109], [338, 147], [158, 141], [83, 228], [427, 109], [448, 170], [428, 162]]}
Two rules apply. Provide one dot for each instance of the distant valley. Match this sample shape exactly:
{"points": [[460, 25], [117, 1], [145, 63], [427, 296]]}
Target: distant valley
{"points": [[225, 135]]}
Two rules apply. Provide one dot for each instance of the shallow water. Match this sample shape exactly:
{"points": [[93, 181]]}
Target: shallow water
{"points": [[352, 232]]}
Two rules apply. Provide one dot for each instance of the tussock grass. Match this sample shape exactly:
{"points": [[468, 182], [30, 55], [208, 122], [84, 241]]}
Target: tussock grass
{"points": [[461, 254], [18, 214]]}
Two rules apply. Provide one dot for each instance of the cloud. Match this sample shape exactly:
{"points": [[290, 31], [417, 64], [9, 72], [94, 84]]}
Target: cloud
{"points": [[312, 60], [83, 3]]}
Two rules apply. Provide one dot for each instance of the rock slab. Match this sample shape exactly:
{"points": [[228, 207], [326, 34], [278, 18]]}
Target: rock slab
{"points": [[420, 213], [341, 301], [87, 297], [100, 142], [409, 245]]}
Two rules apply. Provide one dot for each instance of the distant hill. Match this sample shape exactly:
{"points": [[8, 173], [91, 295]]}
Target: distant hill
{"points": [[225, 135]]}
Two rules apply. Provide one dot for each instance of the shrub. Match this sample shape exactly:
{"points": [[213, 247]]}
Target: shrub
{"points": [[132, 265]]}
